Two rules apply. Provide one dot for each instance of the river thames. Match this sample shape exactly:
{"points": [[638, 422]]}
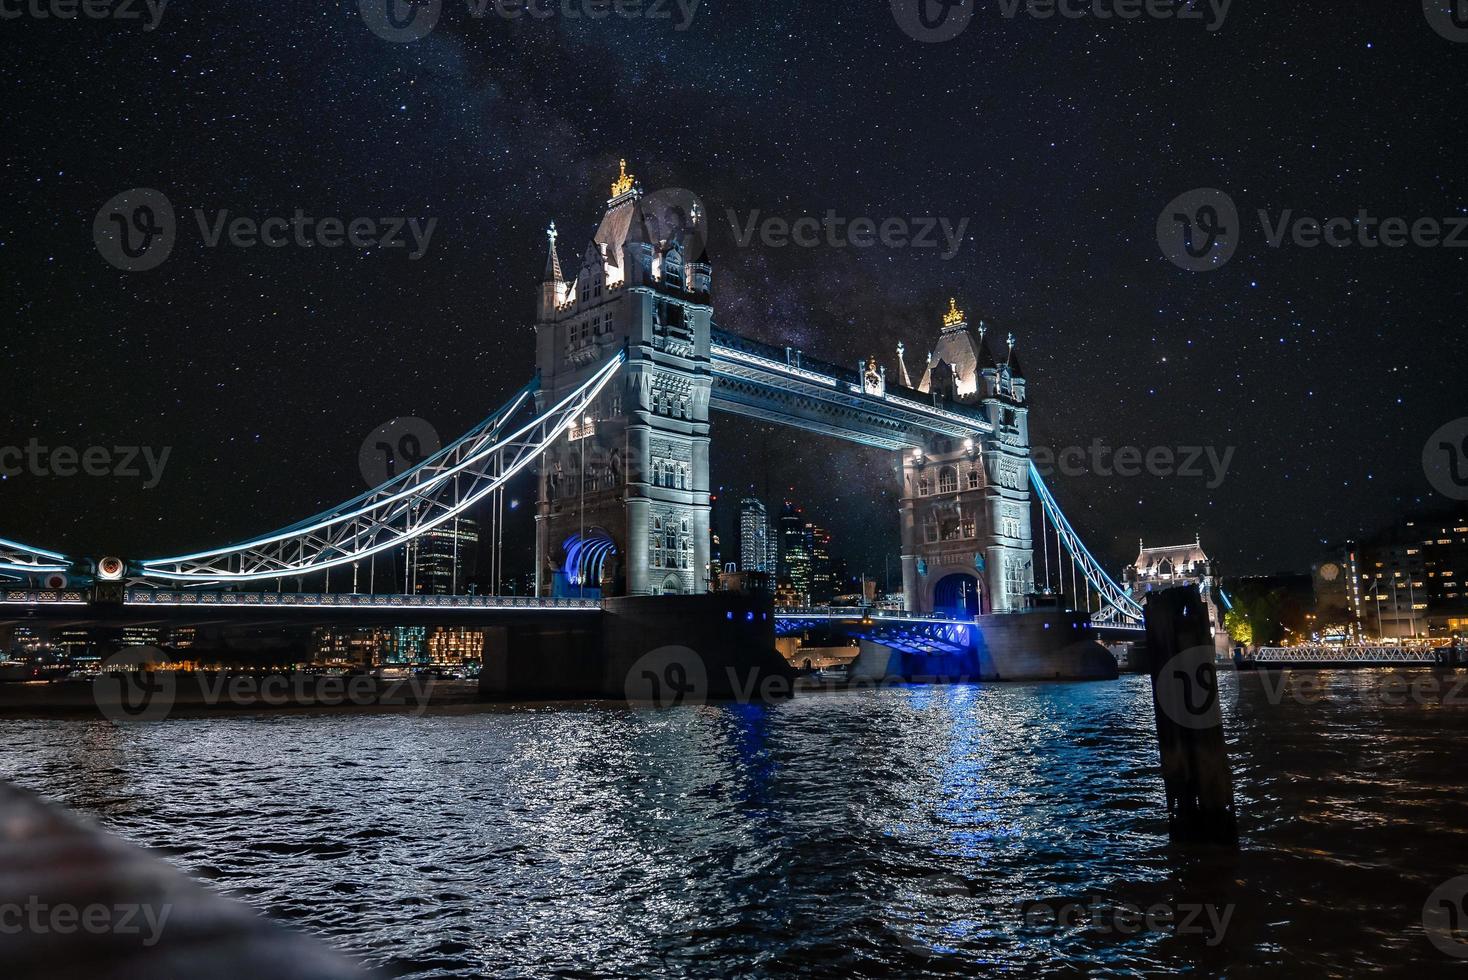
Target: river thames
{"points": [[894, 832]]}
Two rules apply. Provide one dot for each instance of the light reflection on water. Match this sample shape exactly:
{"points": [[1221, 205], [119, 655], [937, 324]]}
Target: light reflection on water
{"points": [[891, 832]]}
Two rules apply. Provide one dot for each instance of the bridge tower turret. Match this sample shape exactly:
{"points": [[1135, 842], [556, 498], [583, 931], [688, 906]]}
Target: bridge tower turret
{"points": [[966, 536], [624, 497]]}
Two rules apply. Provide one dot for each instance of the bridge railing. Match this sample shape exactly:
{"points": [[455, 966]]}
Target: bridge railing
{"points": [[31, 597], [1368, 654], [337, 600], [861, 612]]}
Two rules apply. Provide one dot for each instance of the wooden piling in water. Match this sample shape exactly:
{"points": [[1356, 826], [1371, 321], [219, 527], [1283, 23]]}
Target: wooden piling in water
{"points": [[1195, 772]]}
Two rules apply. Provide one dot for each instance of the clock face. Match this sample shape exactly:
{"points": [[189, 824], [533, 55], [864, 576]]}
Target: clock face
{"points": [[1330, 571]]}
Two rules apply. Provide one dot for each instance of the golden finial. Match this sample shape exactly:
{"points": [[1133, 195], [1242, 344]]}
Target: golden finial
{"points": [[623, 183], [954, 316]]}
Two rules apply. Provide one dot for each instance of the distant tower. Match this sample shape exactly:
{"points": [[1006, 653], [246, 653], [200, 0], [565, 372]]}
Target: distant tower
{"points": [[754, 525], [795, 550], [444, 559], [966, 537], [644, 528]]}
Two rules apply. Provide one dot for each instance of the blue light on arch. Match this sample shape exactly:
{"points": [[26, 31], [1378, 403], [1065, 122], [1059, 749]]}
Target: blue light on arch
{"points": [[586, 557]]}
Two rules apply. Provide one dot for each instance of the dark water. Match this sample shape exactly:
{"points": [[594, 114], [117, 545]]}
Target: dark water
{"points": [[884, 833]]}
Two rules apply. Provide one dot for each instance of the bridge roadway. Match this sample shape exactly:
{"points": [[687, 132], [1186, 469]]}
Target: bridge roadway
{"points": [[784, 386], [140, 606]]}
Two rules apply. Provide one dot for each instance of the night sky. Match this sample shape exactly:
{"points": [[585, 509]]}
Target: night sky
{"points": [[1060, 141]]}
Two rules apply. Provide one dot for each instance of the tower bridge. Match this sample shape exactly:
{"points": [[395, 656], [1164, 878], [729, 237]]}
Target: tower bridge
{"points": [[616, 423]]}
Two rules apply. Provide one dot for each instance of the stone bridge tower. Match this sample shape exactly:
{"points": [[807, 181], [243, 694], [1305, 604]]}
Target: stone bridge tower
{"points": [[624, 499], [965, 512]]}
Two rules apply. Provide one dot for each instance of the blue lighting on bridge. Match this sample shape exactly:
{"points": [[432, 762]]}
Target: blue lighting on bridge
{"points": [[586, 557]]}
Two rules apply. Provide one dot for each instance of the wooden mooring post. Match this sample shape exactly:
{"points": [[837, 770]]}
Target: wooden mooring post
{"points": [[1180, 659]]}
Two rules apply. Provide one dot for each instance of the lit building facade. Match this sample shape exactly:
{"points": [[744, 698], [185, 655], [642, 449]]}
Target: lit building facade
{"points": [[443, 559], [823, 585], [1168, 566], [965, 509], [754, 530], [1410, 578], [624, 498], [795, 552]]}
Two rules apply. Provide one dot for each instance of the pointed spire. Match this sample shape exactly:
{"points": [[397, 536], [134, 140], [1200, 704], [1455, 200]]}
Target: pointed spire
{"points": [[1011, 349], [553, 260], [902, 375]]}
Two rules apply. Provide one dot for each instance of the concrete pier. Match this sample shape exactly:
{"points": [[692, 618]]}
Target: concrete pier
{"points": [[76, 901], [719, 645]]}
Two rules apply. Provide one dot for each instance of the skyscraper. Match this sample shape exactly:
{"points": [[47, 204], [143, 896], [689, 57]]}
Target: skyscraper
{"points": [[795, 550], [443, 560], [823, 582], [753, 536]]}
